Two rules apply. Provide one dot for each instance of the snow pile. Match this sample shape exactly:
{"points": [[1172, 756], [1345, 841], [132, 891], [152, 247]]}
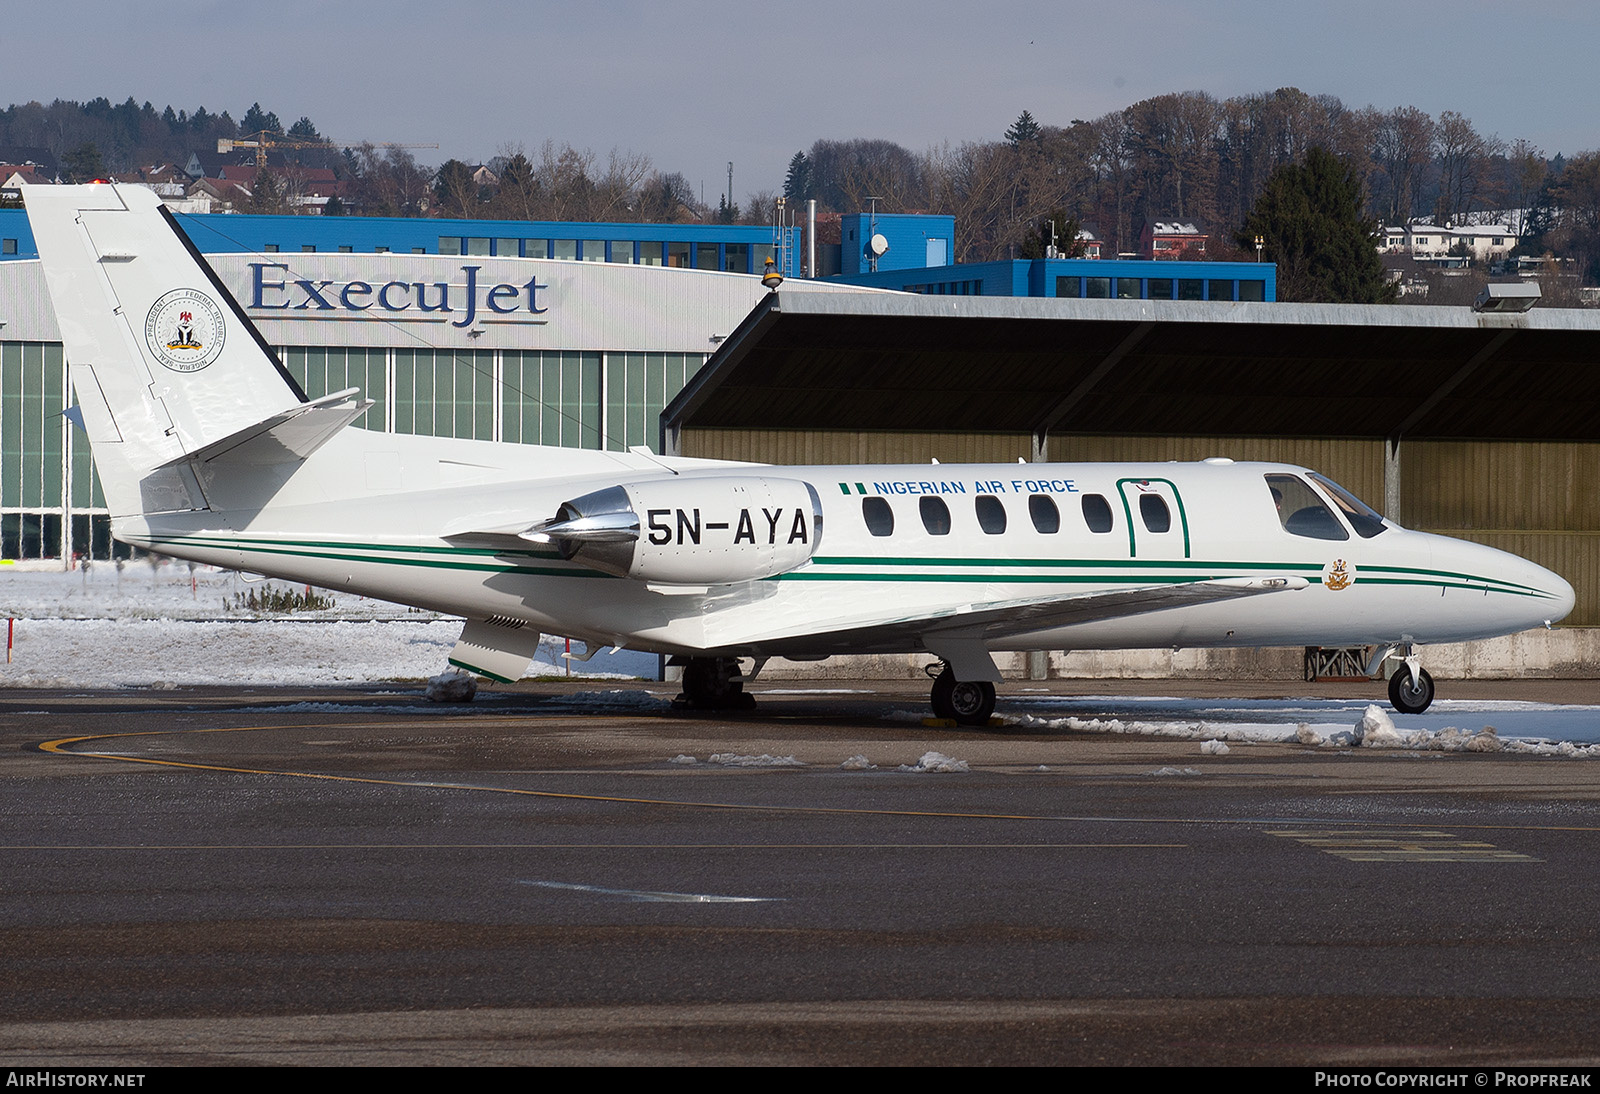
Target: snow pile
{"points": [[684, 759], [858, 762], [936, 762], [454, 686], [1376, 729], [733, 759], [1214, 747], [1265, 721], [1164, 771]]}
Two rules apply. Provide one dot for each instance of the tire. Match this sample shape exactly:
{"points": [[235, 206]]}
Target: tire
{"points": [[972, 702], [707, 683], [943, 686], [1410, 696]]}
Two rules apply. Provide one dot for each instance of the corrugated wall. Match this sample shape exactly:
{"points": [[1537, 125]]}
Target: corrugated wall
{"points": [[1536, 500], [795, 446]]}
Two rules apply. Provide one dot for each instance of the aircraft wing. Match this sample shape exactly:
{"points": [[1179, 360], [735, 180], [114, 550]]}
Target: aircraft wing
{"points": [[994, 621]]}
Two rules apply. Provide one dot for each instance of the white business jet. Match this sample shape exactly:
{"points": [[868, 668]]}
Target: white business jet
{"points": [[208, 450]]}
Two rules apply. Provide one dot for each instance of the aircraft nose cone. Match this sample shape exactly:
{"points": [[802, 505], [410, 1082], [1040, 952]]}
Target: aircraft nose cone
{"points": [[1562, 589]]}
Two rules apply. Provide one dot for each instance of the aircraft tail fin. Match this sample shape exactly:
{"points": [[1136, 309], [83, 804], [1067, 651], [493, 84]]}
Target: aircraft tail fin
{"points": [[166, 366]]}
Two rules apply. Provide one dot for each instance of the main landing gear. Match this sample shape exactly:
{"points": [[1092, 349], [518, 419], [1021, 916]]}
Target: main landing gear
{"points": [[714, 683], [965, 702]]}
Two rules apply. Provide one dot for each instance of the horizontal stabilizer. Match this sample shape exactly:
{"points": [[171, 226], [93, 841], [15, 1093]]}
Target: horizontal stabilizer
{"points": [[499, 652], [287, 437]]}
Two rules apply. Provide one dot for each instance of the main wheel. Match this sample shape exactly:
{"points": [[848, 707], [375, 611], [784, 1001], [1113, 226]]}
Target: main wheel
{"points": [[709, 685], [972, 702], [944, 685], [1411, 696]]}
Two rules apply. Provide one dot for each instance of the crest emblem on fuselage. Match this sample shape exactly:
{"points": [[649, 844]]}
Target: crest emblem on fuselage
{"points": [[1338, 574], [184, 330]]}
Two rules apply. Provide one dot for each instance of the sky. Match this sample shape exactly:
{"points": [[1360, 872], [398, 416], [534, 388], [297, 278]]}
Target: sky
{"points": [[694, 84]]}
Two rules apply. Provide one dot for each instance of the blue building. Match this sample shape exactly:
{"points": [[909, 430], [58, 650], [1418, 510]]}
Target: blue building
{"points": [[916, 250], [730, 248], [1085, 278]]}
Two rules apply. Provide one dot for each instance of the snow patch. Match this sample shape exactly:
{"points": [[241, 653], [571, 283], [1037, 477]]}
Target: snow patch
{"points": [[451, 687], [1214, 748], [733, 759], [858, 762], [936, 762], [684, 759]]}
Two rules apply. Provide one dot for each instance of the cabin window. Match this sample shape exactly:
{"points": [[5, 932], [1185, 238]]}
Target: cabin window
{"points": [[935, 516], [991, 514], [1097, 513], [878, 515], [1301, 511], [1154, 512], [1044, 514]]}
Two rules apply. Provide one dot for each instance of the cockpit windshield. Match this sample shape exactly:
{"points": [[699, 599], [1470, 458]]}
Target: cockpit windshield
{"points": [[1366, 520], [1301, 510]]}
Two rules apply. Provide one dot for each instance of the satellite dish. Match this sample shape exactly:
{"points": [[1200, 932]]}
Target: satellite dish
{"points": [[878, 245]]}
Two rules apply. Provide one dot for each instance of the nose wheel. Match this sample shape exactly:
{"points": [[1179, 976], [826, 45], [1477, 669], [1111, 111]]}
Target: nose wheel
{"points": [[965, 702], [1410, 694]]}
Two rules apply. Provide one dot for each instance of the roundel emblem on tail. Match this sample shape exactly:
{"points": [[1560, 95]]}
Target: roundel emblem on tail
{"points": [[184, 330]]}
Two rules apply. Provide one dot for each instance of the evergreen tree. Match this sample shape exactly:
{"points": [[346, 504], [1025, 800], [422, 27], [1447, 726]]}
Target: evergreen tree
{"points": [[1059, 229], [303, 130], [1310, 219], [257, 120], [797, 183], [1024, 131], [82, 164]]}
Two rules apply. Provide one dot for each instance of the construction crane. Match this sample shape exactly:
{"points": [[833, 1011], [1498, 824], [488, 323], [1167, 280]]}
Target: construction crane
{"points": [[263, 141]]}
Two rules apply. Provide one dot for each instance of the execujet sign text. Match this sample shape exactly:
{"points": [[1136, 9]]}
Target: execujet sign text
{"points": [[272, 290]]}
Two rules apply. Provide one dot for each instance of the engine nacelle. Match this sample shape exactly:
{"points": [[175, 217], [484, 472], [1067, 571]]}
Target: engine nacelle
{"points": [[690, 531]]}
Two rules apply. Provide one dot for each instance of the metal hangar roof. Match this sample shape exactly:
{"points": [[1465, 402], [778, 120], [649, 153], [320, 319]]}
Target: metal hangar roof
{"points": [[888, 361]]}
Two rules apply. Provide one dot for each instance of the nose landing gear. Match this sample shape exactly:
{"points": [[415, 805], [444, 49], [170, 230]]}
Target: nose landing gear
{"points": [[1410, 687], [1411, 694]]}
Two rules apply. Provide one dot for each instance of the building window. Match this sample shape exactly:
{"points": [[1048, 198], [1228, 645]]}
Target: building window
{"points": [[621, 251], [345, 248], [1220, 290], [271, 248], [449, 245], [1161, 288], [736, 257], [705, 256], [308, 248], [1252, 290], [8, 247], [1069, 286], [1097, 288], [564, 248], [1190, 288], [594, 250], [650, 254], [536, 248], [507, 248], [478, 246], [1127, 288]]}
